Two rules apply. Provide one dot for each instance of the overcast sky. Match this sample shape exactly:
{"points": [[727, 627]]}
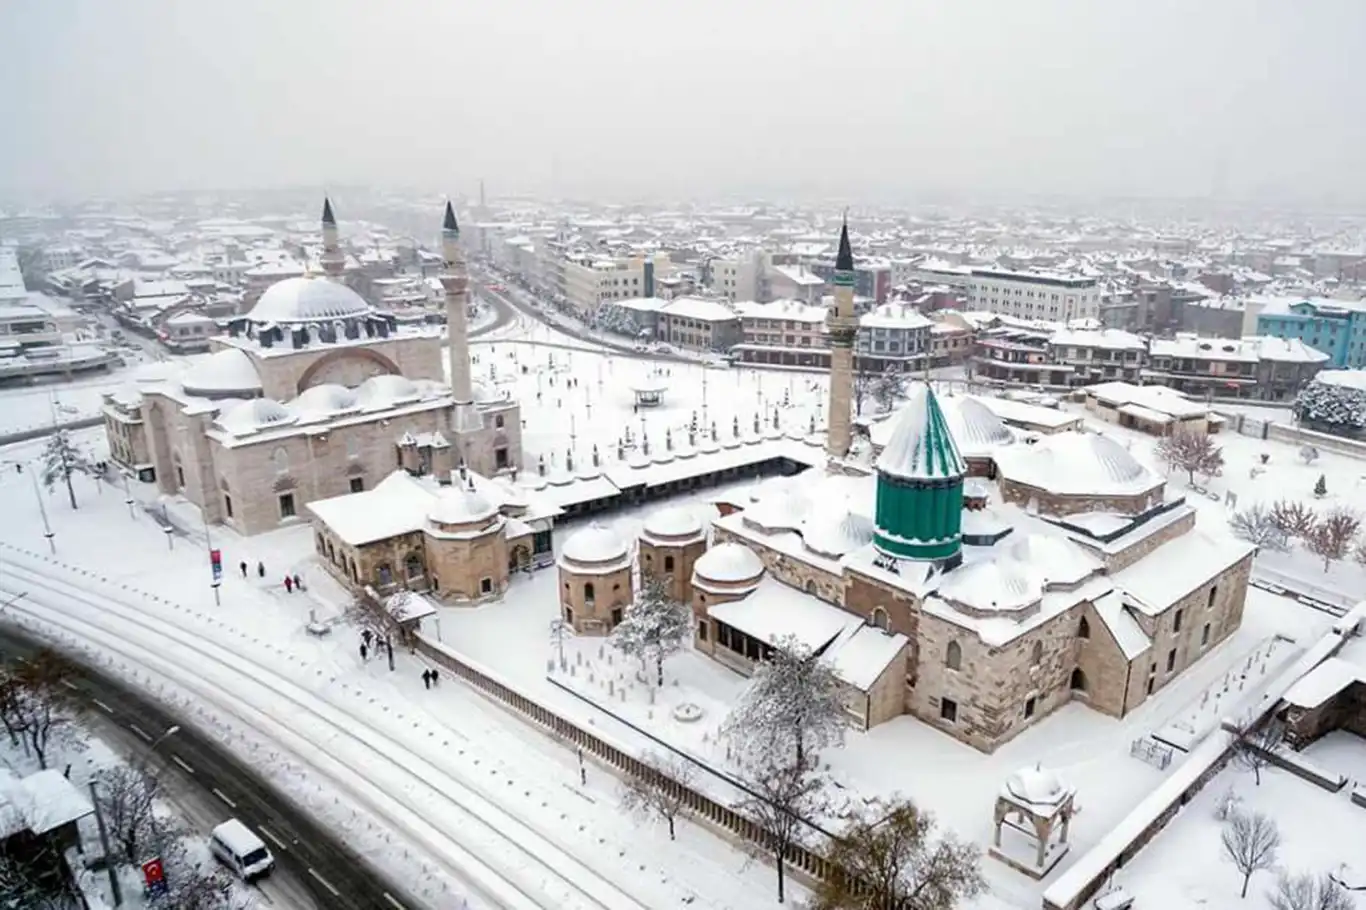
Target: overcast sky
{"points": [[865, 99]]}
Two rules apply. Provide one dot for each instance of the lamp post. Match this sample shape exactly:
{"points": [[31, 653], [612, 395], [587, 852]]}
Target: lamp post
{"points": [[42, 510]]}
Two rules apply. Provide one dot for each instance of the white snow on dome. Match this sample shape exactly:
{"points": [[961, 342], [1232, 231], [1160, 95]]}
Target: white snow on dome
{"points": [[323, 401], [1000, 585], [311, 299], [481, 394], [253, 415], [728, 563], [460, 505], [674, 521], [1076, 464], [222, 372], [380, 392], [1053, 560], [1037, 787], [782, 511], [595, 543], [975, 428], [921, 445], [835, 538]]}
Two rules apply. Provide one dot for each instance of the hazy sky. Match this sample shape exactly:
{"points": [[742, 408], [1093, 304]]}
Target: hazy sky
{"points": [[861, 98]]}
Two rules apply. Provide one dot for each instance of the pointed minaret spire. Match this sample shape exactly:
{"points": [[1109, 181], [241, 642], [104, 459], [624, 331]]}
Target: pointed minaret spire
{"points": [[328, 217], [466, 418], [449, 224], [844, 259], [333, 260], [842, 325]]}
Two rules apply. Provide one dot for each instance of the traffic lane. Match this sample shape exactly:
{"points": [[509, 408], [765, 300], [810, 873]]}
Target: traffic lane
{"points": [[331, 873]]}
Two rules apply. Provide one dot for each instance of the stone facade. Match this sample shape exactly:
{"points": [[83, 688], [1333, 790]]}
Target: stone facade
{"points": [[1344, 711], [671, 560], [1051, 503], [825, 583], [594, 597], [286, 373]]}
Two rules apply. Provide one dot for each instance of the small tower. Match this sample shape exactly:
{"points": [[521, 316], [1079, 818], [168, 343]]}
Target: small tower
{"points": [[920, 485], [455, 282], [843, 328], [333, 259]]}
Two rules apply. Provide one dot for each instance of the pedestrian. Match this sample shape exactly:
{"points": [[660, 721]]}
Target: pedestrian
{"points": [[366, 636], [298, 582], [289, 585], [261, 569], [243, 567], [363, 651], [434, 676], [426, 679]]}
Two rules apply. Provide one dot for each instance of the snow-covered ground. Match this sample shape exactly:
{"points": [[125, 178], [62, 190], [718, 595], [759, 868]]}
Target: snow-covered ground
{"points": [[1185, 865]]}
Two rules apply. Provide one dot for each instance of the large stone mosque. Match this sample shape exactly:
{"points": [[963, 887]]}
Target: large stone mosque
{"points": [[314, 394], [970, 575]]}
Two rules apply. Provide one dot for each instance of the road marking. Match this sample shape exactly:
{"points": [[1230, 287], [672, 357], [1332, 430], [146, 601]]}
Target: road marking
{"points": [[180, 761], [140, 732], [102, 706], [324, 882], [390, 898], [271, 837], [223, 796]]}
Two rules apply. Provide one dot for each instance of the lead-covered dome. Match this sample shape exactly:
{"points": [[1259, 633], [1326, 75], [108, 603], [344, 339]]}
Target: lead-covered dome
{"points": [[834, 537], [380, 392], [1076, 464], [229, 372], [1037, 788], [728, 563], [255, 415], [323, 401], [672, 522], [975, 427], [460, 506], [308, 299], [595, 543]]}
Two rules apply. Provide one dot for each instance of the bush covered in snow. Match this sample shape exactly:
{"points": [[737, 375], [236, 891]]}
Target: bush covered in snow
{"points": [[1333, 405]]}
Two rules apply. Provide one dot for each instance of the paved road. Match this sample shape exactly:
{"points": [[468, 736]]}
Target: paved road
{"points": [[315, 871]]}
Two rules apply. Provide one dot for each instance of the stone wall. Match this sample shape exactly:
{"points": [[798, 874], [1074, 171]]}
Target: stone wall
{"points": [[673, 563], [1058, 504], [1122, 559], [611, 591], [461, 566], [1106, 671], [1344, 711], [828, 586], [285, 375]]}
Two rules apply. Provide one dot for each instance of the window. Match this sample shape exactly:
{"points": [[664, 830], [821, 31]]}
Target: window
{"points": [[286, 505], [953, 656], [179, 476], [384, 574], [486, 585], [1176, 622], [1171, 660], [948, 710], [1083, 628], [569, 616], [1030, 703], [1213, 593], [616, 616], [227, 504], [668, 563], [357, 484], [498, 421], [412, 566], [1204, 635], [588, 593], [1078, 681], [702, 630], [880, 618], [1036, 654], [280, 459]]}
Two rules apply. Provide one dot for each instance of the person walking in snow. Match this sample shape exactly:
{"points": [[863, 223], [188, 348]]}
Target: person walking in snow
{"points": [[261, 569], [289, 585], [426, 679], [363, 651], [243, 567], [298, 582], [434, 676], [366, 636]]}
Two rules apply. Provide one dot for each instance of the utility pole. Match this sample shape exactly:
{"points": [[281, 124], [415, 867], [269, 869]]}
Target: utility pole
{"points": [[104, 843], [42, 510]]}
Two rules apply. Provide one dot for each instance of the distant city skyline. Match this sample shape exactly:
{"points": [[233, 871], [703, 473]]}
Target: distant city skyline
{"points": [[868, 100]]}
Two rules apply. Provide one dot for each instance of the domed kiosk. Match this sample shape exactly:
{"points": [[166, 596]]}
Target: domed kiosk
{"points": [[1033, 813], [595, 579]]}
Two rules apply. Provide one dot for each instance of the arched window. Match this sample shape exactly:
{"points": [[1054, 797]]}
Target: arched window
{"points": [[668, 563], [280, 460], [953, 656], [1083, 628], [413, 566], [588, 592], [1078, 682], [810, 586], [384, 573], [880, 618], [1036, 654]]}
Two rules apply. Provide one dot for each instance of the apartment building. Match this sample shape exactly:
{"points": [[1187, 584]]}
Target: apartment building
{"points": [[587, 281], [872, 278], [1098, 355], [1335, 327], [1034, 295], [893, 336], [1259, 367], [698, 323], [735, 278]]}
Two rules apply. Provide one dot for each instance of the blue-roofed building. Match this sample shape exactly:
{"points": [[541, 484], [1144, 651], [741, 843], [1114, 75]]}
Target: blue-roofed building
{"points": [[1335, 327]]}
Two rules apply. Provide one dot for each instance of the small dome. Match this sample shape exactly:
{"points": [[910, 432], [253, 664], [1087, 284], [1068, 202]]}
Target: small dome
{"points": [[783, 511], [226, 372], [673, 521], [256, 414], [1037, 786], [1117, 464], [482, 394], [315, 299], [459, 505], [1053, 559], [380, 392], [1076, 464], [846, 533], [595, 543], [998, 586], [322, 401], [728, 563], [975, 428]]}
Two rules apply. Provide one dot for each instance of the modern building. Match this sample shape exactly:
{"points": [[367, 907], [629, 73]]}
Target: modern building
{"points": [[1260, 367], [698, 323], [1335, 327], [310, 395], [893, 336], [1034, 295]]}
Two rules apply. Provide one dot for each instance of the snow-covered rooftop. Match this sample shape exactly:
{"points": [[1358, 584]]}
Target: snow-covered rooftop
{"points": [[1077, 464]]}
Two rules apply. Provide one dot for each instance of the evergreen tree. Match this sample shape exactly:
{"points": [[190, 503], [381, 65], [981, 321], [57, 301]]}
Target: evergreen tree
{"points": [[1329, 405], [62, 458], [1321, 488]]}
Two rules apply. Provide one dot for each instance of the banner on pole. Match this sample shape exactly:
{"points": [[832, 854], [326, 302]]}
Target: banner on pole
{"points": [[154, 874], [216, 561]]}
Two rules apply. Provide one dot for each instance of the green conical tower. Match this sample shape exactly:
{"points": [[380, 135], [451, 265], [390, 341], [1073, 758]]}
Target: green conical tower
{"points": [[920, 484]]}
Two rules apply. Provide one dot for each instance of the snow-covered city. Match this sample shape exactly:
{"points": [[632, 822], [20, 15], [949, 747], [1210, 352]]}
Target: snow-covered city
{"points": [[472, 547]]}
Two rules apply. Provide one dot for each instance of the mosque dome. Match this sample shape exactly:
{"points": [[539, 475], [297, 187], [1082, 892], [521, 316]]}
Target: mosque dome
{"points": [[1037, 787], [595, 543], [834, 538], [323, 401], [728, 563], [308, 299], [975, 428], [1000, 585], [459, 505], [220, 374], [673, 521], [255, 415], [380, 392], [1076, 464]]}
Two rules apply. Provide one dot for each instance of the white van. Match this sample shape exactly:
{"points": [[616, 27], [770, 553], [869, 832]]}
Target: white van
{"points": [[234, 845]]}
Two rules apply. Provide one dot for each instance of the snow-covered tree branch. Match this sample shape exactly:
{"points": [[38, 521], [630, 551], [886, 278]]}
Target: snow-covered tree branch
{"points": [[655, 627], [61, 459], [792, 707]]}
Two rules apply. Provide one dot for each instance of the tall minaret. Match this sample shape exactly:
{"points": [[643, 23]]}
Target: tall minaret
{"points": [[843, 327], [333, 259], [455, 282]]}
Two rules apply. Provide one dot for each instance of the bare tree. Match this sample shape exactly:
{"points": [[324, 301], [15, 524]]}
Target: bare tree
{"points": [[659, 790], [1250, 843], [1332, 535], [1191, 452], [1309, 892], [560, 631], [1257, 525], [784, 793], [191, 885], [34, 880], [888, 387], [655, 626], [1295, 519], [792, 707], [37, 704], [1309, 454], [126, 796], [1255, 745], [889, 857], [1229, 802], [1359, 554]]}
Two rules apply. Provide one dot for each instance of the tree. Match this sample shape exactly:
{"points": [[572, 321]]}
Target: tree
{"points": [[654, 627], [1191, 452], [1359, 554], [1295, 519], [37, 704], [63, 458], [1255, 745], [653, 792], [1331, 406], [888, 387], [560, 631], [792, 706], [126, 796], [32, 881], [1257, 525], [1309, 892], [1321, 487], [783, 793], [1250, 843], [1331, 537], [889, 857]]}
